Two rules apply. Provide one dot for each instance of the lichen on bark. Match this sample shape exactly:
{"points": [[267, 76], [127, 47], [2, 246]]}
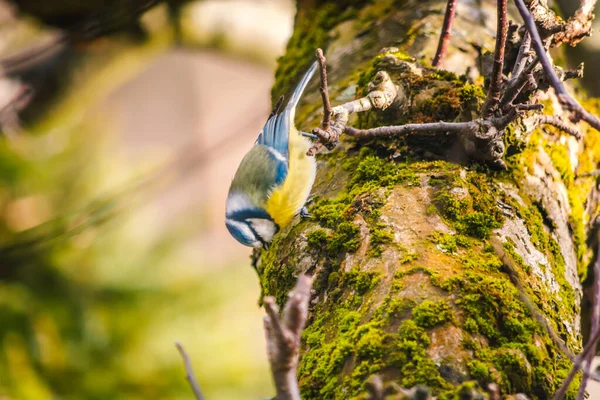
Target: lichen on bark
{"points": [[427, 265]]}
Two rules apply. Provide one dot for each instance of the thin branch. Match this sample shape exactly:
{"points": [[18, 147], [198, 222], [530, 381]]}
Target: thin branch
{"points": [[33, 55], [515, 86], [522, 57], [189, 372], [588, 349], [445, 35], [493, 96], [558, 123], [283, 338], [530, 107], [374, 386], [595, 326], [566, 101], [324, 91], [325, 124], [396, 130]]}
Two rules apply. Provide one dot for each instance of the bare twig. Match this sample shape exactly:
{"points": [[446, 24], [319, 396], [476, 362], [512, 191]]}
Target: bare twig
{"points": [[189, 372], [33, 55], [283, 338], [493, 96], [529, 107], [9, 113], [595, 327], [445, 35], [558, 123], [374, 386], [522, 57], [396, 130], [579, 25], [325, 123], [566, 101], [588, 349], [324, 91], [493, 391], [515, 86]]}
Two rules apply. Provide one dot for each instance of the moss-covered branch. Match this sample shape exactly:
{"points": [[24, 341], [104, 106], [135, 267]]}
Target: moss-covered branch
{"points": [[410, 239]]}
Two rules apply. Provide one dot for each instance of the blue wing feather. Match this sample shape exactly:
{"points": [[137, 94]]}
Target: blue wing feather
{"points": [[276, 131]]}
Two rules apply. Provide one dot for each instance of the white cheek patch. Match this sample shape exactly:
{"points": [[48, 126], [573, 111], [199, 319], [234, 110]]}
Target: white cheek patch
{"points": [[265, 228]]}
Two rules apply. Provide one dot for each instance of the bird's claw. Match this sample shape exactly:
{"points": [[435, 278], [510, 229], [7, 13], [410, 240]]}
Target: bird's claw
{"points": [[304, 214]]}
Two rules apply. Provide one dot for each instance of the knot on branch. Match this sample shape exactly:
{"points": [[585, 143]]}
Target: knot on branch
{"points": [[382, 91]]}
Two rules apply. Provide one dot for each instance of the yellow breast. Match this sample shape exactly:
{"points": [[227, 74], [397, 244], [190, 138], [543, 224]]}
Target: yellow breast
{"points": [[289, 198]]}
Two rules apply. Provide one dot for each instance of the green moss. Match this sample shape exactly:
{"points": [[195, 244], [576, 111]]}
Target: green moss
{"points": [[434, 276], [450, 243], [443, 105], [311, 31], [469, 205], [379, 237], [429, 314], [481, 371], [509, 247], [516, 370], [492, 307], [560, 159], [479, 224], [408, 257], [317, 238], [369, 342], [399, 54], [398, 306], [384, 173], [345, 239], [443, 75], [411, 357], [469, 92], [362, 281], [329, 213], [470, 390]]}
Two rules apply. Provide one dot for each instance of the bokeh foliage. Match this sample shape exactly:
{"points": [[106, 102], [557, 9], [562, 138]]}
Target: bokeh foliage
{"points": [[92, 295]]}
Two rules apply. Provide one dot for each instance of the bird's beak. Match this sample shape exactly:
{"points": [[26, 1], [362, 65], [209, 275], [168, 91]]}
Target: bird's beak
{"points": [[266, 246]]}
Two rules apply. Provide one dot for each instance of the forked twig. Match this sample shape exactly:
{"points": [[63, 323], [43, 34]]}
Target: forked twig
{"points": [[442, 48], [564, 98], [324, 133]]}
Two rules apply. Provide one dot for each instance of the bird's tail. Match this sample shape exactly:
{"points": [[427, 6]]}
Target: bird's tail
{"points": [[300, 89]]}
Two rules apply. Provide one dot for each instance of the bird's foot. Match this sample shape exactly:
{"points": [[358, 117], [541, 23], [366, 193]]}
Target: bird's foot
{"points": [[304, 214]]}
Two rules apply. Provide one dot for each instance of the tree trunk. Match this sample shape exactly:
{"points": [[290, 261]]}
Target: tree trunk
{"points": [[431, 268]]}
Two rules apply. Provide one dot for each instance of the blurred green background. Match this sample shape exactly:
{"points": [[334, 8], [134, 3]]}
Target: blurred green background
{"points": [[112, 242]]}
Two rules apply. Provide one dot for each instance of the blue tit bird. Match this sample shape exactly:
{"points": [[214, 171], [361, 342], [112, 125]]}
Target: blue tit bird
{"points": [[274, 178]]}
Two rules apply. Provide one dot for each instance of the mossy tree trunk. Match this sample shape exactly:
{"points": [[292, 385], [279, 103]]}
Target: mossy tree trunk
{"points": [[427, 265]]}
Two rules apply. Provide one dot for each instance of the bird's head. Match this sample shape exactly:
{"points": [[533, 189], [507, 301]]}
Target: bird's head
{"points": [[251, 226]]}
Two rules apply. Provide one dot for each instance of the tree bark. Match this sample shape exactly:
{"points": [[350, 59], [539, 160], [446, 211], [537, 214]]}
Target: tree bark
{"points": [[431, 268]]}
